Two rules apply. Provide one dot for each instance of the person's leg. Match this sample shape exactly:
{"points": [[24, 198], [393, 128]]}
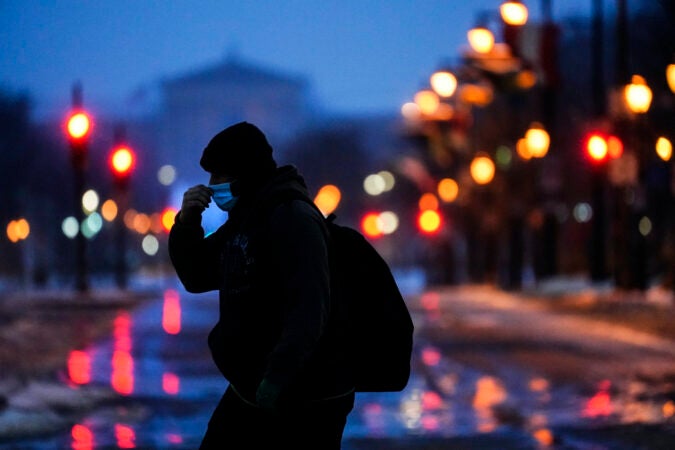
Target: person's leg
{"points": [[321, 425], [236, 425]]}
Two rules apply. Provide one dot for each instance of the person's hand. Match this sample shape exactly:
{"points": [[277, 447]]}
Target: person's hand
{"points": [[267, 395], [195, 200]]}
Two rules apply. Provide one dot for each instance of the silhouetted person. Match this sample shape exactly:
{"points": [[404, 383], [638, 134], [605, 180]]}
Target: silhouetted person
{"points": [[273, 340]]}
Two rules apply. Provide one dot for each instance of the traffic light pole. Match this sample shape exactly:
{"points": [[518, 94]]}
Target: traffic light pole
{"points": [[122, 195], [121, 161], [598, 245], [78, 159], [81, 281]]}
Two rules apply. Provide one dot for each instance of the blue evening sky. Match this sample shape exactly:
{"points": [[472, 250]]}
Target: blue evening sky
{"points": [[359, 56]]}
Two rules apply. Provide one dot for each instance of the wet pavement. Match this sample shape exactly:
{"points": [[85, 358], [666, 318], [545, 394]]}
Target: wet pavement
{"points": [[489, 372]]}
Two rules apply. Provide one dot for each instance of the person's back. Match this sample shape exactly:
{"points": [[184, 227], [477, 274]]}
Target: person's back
{"points": [[276, 341]]}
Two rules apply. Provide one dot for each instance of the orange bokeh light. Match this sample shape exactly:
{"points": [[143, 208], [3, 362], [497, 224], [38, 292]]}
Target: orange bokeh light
{"points": [[428, 201], [168, 218], [370, 225], [328, 198]]}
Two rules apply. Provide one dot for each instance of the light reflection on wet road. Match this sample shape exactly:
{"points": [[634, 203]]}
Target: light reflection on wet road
{"points": [[156, 360]]}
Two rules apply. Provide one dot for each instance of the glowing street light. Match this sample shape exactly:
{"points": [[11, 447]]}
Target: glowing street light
{"points": [[664, 148], [670, 76], [444, 83], [428, 101], [427, 201], [482, 169], [638, 95], [514, 12], [18, 230], [328, 199], [370, 225], [537, 140], [168, 217], [448, 190], [523, 150], [481, 39]]}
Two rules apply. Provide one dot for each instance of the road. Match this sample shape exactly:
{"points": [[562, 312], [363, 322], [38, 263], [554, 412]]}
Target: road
{"points": [[490, 371], [517, 365]]}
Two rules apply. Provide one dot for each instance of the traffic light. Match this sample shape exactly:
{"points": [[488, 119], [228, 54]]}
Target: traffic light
{"points": [[78, 127], [429, 221], [122, 162], [78, 130], [596, 147], [600, 147]]}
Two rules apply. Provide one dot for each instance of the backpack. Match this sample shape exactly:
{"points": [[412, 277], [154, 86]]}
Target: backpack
{"points": [[379, 327]]}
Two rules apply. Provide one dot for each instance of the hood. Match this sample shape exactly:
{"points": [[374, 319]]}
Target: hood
{"points": [[285, 178]]}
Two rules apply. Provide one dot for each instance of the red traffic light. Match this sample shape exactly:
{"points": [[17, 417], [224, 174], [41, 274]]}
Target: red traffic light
{"points": [[599, 147], [596, 147], [78, 126], [122, 161], [429, 221]]}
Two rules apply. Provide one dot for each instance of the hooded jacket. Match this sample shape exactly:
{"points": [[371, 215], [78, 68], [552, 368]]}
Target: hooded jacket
{"points": [[269, 262]]}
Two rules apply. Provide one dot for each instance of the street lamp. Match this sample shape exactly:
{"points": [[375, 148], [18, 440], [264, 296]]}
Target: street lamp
{"points": [[482, 169], [631, 260], [537, 140], [444, 83], [481, 39], [427, 101], [664, 148], [670, 76], [514, 12], [18, 230], [638, 95]]}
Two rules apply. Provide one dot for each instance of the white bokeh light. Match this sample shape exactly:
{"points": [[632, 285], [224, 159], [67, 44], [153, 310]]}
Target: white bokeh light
{"points": [[70, 227], [166, 175], [90, 201], [150, 245]]}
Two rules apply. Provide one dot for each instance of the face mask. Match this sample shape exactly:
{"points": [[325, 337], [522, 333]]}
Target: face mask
{"points": [[222, 195]]}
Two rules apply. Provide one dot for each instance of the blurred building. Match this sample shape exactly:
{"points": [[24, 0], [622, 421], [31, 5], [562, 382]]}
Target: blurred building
{"points": [[195, 106]]}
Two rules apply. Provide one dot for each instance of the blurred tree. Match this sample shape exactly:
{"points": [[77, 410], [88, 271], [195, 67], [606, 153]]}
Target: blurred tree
{"points": [[14, 139], [333, 155]]}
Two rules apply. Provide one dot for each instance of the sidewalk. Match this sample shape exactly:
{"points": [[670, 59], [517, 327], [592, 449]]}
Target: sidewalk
{"points": [[652, 311], [39, 328]]}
